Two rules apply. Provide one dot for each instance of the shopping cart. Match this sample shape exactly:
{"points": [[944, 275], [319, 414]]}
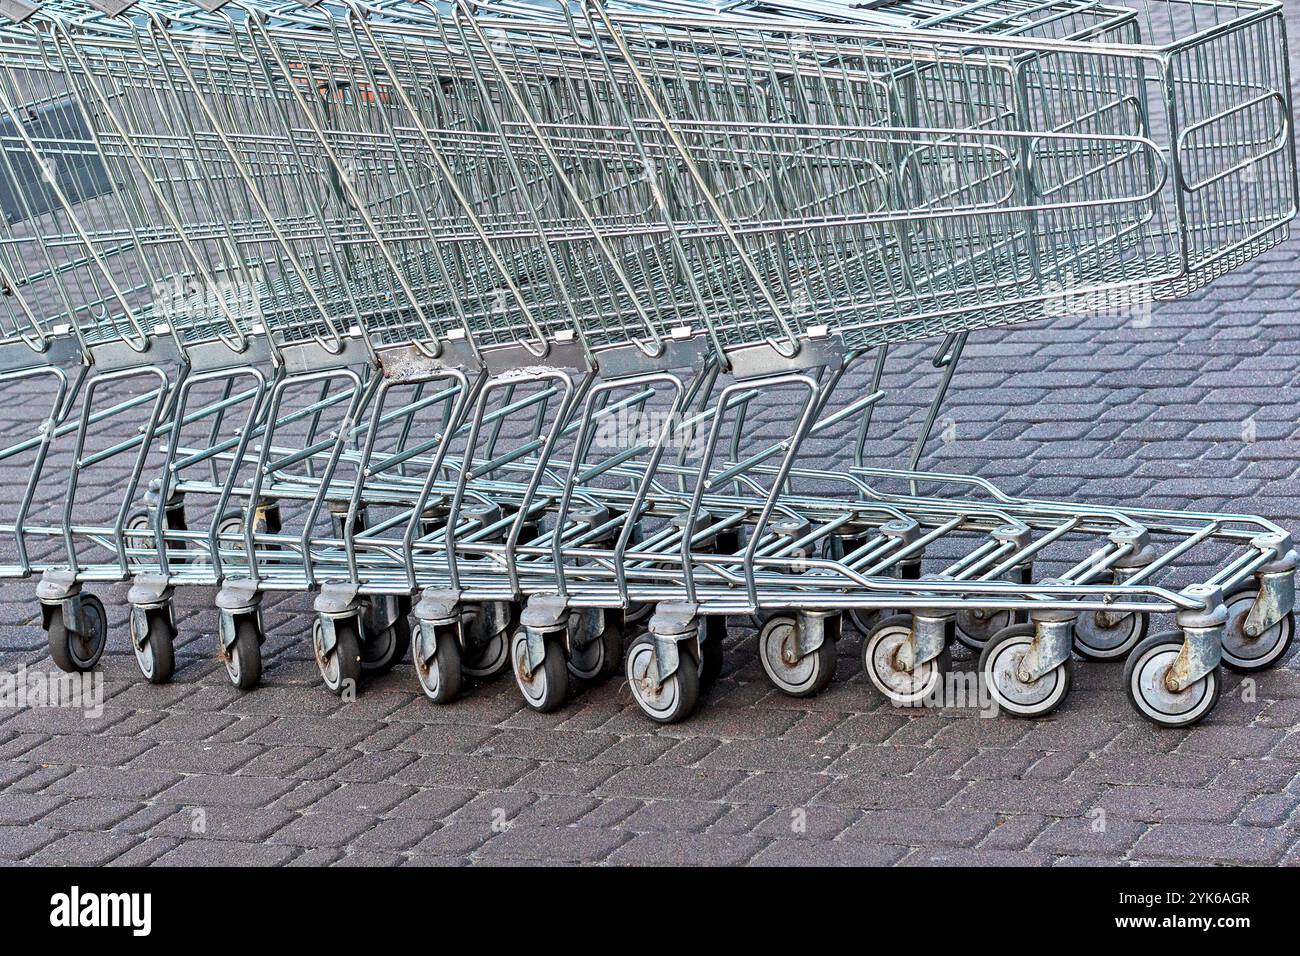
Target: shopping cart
{"points": [[562, 256]]}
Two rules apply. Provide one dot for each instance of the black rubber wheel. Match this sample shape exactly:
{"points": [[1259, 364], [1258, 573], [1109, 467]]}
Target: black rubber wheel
{"points": [[879, 657], [602, 656], [1114, 642], [381, 651], [1245, 654], [997, 669], [341, 669], [244, 659], [674, 699], [1144, 684], [231, 523], [483, 658], [794, 676], [974, 629], [440, 678], [139, 534], [547, 686], [156, 655], [77, 653]]}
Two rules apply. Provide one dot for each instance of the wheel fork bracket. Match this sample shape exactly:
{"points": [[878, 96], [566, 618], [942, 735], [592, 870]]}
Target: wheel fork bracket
{"points": [[60, 588], [670, 625], [544, 615], [1276, 598], [814, 628], [236, 599], [930, 634], [1050, 648], [435, 609], [149, 594], [337, 601], [1202, 639]]}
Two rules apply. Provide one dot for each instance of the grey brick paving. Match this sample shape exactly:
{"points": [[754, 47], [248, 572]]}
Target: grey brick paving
{"points": [[1197, 408]]}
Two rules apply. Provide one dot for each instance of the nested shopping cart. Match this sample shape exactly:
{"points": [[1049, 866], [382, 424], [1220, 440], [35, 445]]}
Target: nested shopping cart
{"points": [[475, 200]]}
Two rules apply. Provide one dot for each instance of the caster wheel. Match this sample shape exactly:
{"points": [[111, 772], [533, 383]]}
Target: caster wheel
{"points": [[864, 621], [976, 627], [599, 657], [1144, 682], [674, 699], [341, 668], [997, 667], [440, 677], [244, 659], [545, 688], [880, 661], [636, 613], [74, 652], [794, 675], [380, 651], [139, 534], [231, 526], [1097, 638], [156, 655], [1245, 654], [485, 657]]}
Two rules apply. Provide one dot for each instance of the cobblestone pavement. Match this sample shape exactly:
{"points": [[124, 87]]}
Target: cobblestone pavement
{"points": [[1193, 405]]}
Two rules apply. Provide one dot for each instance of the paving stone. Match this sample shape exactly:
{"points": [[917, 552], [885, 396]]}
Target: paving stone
{"points": [[198, 757], [115, 782], [20, 842], [1170, 804], [1106, 837], [243, 824], [394, 834], [1015, 831], [1213, 843], [226, 790], [967, 857], [90, 813], [821, 853], [222, 853], [362, 799], [911, 827], [17, 809], [84, 849], [320, 829], [553, 844], [664, 783], [700, 849], [673, 816]]}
